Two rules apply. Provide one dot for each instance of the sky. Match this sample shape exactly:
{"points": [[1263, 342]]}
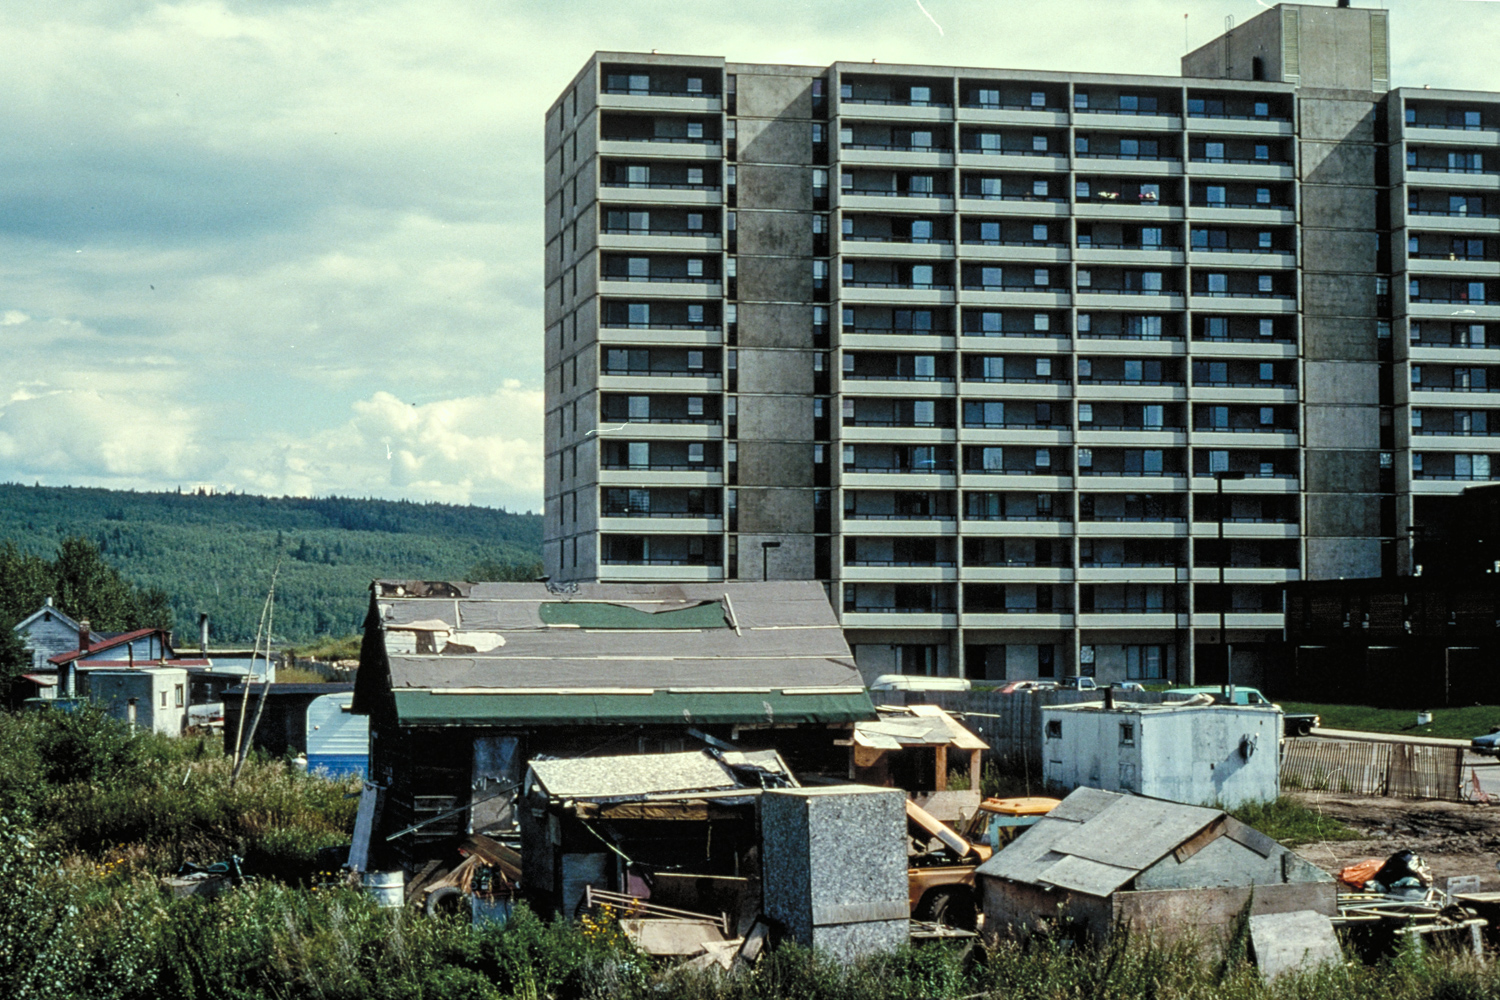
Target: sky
{"points": [[296, 247]]}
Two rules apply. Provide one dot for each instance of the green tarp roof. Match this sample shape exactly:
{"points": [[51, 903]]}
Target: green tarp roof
{"points": [[600, 614], [424, 708]]}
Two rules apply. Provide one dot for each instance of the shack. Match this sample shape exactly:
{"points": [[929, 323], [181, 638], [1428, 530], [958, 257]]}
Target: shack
{"points": [[915, 748], [464, 684], [1105, 862], [284, 725], [677, 829], [1184, 752]]}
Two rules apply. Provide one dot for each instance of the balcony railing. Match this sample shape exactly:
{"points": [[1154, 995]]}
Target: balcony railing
{"points": [[660, 186]]}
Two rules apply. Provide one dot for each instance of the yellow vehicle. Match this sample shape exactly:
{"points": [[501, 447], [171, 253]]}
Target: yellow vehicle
{"points": [[999, 821]]}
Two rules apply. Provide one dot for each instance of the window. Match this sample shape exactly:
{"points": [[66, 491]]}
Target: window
{"points": [[1081, 100], [1267, 327], [1085, 279], [695, 130], [1041, 322], [1041, 278], [695, 359], [921, 230], [1043, 458], [1263, 196], [695, 314], [1264, 241], [1085, 322], [695, 85], [177, 694], [987, 98], [1213, 151], [1127, 734], [1082, 189], [1267, 371], [921, 95], [1218, 461], [1085, 458], [1043, 367], [1262, 152], [1039, 144], [695, 452], [695, 176], [1263, 283], [1262, 109], [1038, 99], [1081, 145], [1144, 662], [1054, 729], [1267, 416], [1039, 189], [695, 267], [639, 313], [695, 220], [1039, 233], [1085, 416], [639, 267], [639, 407], [695, 406], [1215, 194], [1218, 284]]}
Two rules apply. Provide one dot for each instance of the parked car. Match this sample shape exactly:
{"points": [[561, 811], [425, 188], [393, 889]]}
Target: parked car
{"points": [[1488, 745], [1291, 723], [1077, 683], [1016, 686]]}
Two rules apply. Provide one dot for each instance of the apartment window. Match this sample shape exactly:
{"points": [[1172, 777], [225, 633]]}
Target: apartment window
{"points": [[1082, 189], [695, 360], [1043, 367], [1085, 368], [919, 184], [695, 452], [1038, 99], [638, 454], [1416, 420], [1218, 284], [695, 85], [1043, 458], [1085, 279], [1039, 144], [1039, 189], [695, 406], [987, 98], [1144, 662], [695, 267], [177, 694], [1218, 461], [1263, 282], [1085, 322], [695, 220], [1041, 322], [1085, 416], [1081, 100], [1267, 371], [1215, 195], [921, 95], [1263, 196], [1041, 277], [1416, 374], [1213, 151], [695, 314], [1267, 327], [1267, 416], [1039, 234], [1262, 109], [1264, 241], [695, 130], [1262, 152]]}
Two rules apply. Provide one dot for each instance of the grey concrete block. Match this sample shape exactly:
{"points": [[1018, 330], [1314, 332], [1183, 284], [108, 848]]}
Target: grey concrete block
{"points": [[1335, 120], [1338, 250], [1341, 471], [774, 463], [1337, 163], [771, 511], [1331, 515], [764, 185], [1346, 558], [1349, 295], [775, 324], [1334, 207], [792, 560], [775, 278], [775, 418], [762, 94], [834, 863], [775, 371], [775, 234], [1342, 427], [774, 140], [1341, 383], [1332, 338]]}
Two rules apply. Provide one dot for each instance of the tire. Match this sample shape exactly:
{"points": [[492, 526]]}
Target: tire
{"points": [[951, 906], [1304, 729], [447, 900]]}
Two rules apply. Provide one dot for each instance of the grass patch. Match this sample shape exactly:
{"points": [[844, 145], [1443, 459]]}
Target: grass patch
{"points": [[1292, 822], [1447, 723]]}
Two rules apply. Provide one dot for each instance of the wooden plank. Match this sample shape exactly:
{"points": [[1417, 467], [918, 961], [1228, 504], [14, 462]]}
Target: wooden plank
{"points": [[1299, 941]]}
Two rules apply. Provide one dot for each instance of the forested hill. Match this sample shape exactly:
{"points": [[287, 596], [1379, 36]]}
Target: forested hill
{"points": [[216, 553]]}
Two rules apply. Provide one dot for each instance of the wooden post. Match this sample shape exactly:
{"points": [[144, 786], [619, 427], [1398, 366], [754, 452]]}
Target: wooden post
{"points": [[976, 758], [941, 753]]}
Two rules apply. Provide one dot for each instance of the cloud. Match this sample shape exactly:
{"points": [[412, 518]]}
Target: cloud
{"points": [[106, 438]]}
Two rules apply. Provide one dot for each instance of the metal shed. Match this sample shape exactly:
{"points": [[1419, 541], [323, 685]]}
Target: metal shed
{"points": [[1105, 862]]}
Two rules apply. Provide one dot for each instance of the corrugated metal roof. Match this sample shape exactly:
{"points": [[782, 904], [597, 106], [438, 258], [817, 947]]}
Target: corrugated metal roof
{"points": [[638, 774], [720, 653], [648, 707], [1095, 842]]}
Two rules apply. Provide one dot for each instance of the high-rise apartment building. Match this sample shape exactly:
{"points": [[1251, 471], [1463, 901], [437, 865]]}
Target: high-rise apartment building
{"points": [[1042, 372]]}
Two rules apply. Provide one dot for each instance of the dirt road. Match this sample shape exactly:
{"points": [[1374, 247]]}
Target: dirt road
{"points": [[1455, 838]]}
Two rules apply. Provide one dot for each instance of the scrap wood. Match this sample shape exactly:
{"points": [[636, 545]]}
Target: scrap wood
{"points": [[720, 953], [635, 906], [663, 936], [494, 854], [753, 943]]}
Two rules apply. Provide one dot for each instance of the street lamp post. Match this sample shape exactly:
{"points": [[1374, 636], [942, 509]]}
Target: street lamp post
{"points": [[765, 558], [1219, 478]]}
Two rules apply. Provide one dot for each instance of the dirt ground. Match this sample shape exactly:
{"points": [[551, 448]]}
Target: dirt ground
{"points": [[1454, 838]]}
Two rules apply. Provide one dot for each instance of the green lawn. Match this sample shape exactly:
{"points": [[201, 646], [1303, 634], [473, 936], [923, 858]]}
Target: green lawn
{"points": [[1449, 723]]}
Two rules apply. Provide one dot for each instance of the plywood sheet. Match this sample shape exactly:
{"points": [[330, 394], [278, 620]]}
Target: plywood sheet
{"points": [[1135, 832], [1094, 878], [1299, 941]]}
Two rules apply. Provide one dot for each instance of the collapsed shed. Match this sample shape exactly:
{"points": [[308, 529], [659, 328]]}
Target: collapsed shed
{"points": [[1107, 862], [466, 683], [915, 747], [676, 829]]}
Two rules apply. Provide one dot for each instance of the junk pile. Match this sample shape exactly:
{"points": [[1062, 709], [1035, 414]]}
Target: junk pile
{"points": [[1381, 902], [490, 875]]}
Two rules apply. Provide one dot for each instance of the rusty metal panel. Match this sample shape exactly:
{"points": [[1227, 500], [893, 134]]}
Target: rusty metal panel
{"points": [[1336, 766]]}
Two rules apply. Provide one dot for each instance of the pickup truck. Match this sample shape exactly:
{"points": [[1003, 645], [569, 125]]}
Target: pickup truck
{"points": [[1291, 724]]}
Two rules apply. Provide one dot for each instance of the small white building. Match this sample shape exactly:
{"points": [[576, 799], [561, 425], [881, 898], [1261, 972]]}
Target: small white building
{"points": [[1222, 755], [153, 697]]}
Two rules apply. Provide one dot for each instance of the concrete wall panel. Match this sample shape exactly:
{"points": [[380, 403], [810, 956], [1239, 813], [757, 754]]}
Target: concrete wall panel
{"points": [[765, 95], [773, 140], [1342, 471], [765, 185], [1332, 515], [776, 371], [772, 512], [775, 233], [1336, 163], [1342, 427], [775, 418], [775, 278], [766, 324], [1340, 249], [773, 463], [1346, 558], [1338, 208]]}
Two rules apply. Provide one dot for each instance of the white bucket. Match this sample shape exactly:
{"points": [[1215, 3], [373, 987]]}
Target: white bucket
{"points": [[388, 889], [1424, 718]]}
